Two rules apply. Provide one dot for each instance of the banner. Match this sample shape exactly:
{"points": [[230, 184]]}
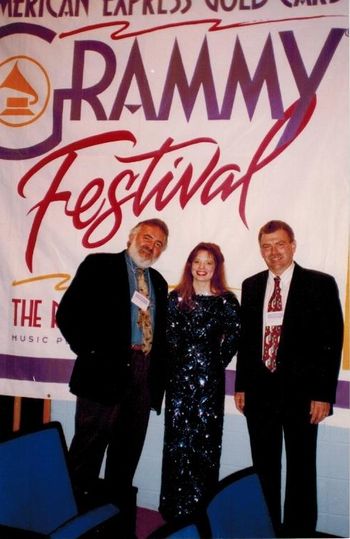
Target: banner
{"points": [[213, 115]]}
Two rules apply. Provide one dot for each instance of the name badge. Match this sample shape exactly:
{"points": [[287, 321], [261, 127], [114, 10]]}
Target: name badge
{"points": [[274, 318], [140, 301]]}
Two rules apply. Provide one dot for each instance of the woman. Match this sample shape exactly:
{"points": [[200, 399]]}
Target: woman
{"points": [[203, 331]]}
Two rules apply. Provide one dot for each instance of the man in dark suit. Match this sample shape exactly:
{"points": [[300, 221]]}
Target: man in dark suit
{"points": [[117, 330], [287, 370]]}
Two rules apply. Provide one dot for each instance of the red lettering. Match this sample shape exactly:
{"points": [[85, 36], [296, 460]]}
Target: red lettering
{"points": [[103, 203], [26, 312]]}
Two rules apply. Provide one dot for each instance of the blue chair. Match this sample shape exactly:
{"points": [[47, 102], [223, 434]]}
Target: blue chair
{"points": [[187, 532], [36, 495], [177, 530], [237, 508]]}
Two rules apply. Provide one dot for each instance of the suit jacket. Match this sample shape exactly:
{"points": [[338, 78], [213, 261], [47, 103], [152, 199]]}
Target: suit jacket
{"points": [[94, 316], [309, 352]]}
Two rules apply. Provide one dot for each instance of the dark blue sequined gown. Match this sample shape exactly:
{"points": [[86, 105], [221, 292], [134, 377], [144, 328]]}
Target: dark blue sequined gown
{"points": [[201, 344]]}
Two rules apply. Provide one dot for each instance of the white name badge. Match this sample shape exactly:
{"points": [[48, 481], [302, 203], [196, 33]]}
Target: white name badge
{"points": [[274, 318], [140, 301]]}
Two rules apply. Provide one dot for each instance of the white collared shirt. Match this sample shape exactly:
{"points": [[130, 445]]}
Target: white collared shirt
{"points": [[285, 281]]}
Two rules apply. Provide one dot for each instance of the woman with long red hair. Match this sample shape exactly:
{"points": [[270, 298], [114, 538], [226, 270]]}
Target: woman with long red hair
{"points": [[203, 332]]}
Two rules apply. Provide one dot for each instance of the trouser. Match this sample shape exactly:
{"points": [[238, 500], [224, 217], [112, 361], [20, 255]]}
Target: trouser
{"points": [[119, 428], [268, 421]]}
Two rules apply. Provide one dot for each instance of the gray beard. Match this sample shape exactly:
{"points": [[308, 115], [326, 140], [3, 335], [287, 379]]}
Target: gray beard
{"points": [[139, 261]]}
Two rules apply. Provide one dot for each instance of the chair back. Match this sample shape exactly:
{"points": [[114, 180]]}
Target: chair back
{"points": [[187, 532], [238, 509], [35, 487], [176, 530]]}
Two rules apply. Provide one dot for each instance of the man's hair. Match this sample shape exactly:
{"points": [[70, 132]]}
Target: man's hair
{"points": [[152, 222], [273, 226]]}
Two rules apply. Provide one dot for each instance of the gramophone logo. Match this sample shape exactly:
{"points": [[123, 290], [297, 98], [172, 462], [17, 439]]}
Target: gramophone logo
{"points": [[24, 91]]}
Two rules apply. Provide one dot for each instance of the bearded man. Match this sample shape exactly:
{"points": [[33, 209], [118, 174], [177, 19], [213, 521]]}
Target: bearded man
{"points": [[113, 317]]}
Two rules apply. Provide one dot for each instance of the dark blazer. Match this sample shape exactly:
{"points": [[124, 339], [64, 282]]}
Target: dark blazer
{"points": [[309, 352], [94, 316]]}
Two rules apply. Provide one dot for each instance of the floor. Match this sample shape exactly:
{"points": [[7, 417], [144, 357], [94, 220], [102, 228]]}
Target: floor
{"points": [[148, 521]]}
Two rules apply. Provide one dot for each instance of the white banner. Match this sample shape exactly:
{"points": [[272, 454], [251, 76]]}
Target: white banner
{"points": [[213, 115]]}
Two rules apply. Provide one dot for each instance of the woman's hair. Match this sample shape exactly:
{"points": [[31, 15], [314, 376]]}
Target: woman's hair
{"points": [[218, 282]]}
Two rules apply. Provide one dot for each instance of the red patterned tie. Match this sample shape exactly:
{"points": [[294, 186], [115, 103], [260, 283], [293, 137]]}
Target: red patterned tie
{"points": [[272, 333]]}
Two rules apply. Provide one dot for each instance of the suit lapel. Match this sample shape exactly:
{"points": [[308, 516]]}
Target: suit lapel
{"points": [[254, 307], [119, 278], [295, 290], [293, 305], [260, 294]]}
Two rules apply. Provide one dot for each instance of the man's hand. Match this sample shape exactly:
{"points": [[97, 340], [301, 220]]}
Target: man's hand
{"points": [[240, 401], [319, 411]]}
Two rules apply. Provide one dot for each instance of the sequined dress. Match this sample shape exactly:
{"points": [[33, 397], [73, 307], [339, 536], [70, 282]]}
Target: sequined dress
{"points": [[202, 342]]}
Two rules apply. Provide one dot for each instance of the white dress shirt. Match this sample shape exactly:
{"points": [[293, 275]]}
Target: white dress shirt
{"points": [[285, 281]]}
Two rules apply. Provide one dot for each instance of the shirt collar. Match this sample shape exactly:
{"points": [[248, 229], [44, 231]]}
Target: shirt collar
{"points": [[129, 260], [132, 265], [286, 276]]}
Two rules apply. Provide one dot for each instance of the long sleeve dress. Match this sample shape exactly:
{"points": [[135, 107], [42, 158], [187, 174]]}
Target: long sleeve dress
{"points": [[202, 341]]}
